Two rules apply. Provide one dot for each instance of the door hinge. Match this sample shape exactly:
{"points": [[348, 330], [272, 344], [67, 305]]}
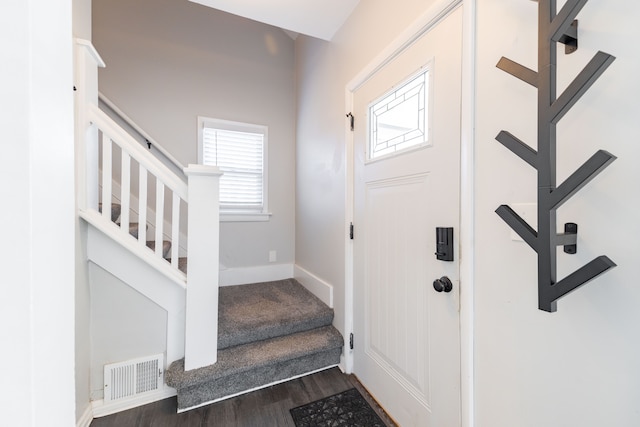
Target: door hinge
{"points": [[351, 340], [351, 231]]}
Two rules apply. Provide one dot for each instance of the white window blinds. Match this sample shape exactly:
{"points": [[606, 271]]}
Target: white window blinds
{"points": [[240, 155]]}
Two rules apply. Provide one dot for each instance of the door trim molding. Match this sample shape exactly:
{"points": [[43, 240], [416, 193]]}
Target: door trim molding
{"points": [[432, 17], [422, 25], [467, 213]]}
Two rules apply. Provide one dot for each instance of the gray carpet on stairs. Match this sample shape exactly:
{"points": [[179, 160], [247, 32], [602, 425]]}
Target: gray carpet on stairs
{"points": [[255, 364], [263, 310], [115, 211], [166, 247], [268, 332]]}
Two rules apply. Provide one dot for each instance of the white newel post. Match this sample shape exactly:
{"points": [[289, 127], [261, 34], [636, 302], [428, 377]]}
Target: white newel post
{"points": [[201, 336], [86, 63]]}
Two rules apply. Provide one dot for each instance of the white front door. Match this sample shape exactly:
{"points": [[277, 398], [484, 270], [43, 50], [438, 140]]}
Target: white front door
{"points": [[407, 335]]}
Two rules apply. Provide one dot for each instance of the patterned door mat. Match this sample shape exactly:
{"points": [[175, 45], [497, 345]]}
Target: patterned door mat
{"points": [[348, 408]]}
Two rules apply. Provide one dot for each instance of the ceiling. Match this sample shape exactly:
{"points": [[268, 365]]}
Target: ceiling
{"points": [[316, 18]]}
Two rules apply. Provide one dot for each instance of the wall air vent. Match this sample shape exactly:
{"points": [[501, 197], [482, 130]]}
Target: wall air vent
{"points": [[133, 378]]}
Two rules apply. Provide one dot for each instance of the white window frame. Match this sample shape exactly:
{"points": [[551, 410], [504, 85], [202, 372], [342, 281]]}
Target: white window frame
{"points": [[229, 215]]}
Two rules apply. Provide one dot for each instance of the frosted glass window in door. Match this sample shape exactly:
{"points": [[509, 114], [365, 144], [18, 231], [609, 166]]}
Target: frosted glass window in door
{"points": [[398, 120]]}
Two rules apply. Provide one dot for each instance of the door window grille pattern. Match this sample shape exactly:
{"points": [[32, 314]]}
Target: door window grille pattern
{"points": [[398, 120]]}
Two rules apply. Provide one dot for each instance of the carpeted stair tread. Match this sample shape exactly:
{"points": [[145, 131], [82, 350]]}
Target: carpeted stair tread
{"points": [[166, 247], [133, 229], [254, 365], [182, 264], [115, 211], [246, 357], [265, 310]]}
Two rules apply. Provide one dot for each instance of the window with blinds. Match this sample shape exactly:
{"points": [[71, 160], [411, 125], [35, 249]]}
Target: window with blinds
{"points": [[238, 149]]}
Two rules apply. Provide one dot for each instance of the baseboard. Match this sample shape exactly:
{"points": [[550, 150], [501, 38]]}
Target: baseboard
{"points": [[100, 409], [259, 273], [314, 284], [256, 388], [86, 418]]}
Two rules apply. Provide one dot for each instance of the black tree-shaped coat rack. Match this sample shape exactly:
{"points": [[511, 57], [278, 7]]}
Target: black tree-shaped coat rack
{"points": [[554, 28]]}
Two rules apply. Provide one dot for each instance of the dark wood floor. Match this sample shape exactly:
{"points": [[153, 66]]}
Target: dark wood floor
{"points": [[268, 407]]}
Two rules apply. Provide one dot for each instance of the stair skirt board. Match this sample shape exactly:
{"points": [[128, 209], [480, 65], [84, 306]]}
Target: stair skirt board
{"points": [[260, 387], [314, 284]]}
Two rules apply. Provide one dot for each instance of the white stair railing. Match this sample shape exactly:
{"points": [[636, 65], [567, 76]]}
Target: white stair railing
{"points": [[109, 157], [154, 146], [115, 142]]}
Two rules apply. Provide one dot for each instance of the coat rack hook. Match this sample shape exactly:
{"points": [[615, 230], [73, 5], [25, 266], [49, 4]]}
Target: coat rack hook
{"points": [[563, 28], [570, 38]]}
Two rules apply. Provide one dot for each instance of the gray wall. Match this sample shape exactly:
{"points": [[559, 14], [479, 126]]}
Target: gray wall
{"points": [[124, 325], [170, 61], [576, 367]]}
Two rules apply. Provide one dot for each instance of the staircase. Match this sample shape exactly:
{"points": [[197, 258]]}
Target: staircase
{"points": [[268, 333], [116, 209], [222, 341]]}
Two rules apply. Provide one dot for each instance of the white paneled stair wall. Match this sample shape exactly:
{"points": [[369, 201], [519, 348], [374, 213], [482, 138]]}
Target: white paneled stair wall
{"points": [[112, 167]]}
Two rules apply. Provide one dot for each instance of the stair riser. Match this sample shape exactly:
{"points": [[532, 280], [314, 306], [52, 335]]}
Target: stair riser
{"points": [[199, 395], [272, 331]]}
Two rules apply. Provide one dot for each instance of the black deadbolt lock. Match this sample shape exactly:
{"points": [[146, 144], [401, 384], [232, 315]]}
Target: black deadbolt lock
{"points": [[444, 243]]}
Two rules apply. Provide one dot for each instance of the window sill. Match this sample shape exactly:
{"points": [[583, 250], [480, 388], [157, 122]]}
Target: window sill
{"points": [[244, 217]]}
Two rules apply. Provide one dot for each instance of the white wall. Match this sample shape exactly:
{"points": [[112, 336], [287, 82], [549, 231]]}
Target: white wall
{"points": [[169, 62], [578, 366], [575, 367], [37, 304]]}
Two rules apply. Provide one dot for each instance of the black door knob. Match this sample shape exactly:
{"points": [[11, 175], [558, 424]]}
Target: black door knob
{"points": [[442, 284]]}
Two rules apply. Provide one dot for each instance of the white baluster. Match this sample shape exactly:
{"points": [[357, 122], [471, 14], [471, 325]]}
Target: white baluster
{"points": [[175, 230], [125, 192], [106, 176], [142, 206], [159, 215]]}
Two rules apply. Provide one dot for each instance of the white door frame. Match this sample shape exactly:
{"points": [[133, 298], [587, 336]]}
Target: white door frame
{"points": [[467, 181]]}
